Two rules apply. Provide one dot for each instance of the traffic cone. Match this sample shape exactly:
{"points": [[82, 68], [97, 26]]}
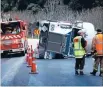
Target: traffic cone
{"points": [[29, 59], [34, 68], [29, 62], [27, 55], [32, 52], [28, 50], [33, 58]]}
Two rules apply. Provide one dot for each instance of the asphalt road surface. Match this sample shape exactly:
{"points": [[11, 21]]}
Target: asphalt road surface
{"points": [[55, 72]]}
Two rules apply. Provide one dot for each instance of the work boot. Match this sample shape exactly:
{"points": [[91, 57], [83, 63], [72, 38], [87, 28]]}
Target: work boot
{"points": [[93, 73], [101, 74], [76, 72], [81, 73]]}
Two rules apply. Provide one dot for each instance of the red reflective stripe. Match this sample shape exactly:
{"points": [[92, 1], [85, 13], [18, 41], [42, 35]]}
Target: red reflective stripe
{"points": [[18, 36], [2, 37], [10, 37], [6, 37], [15, 36]]}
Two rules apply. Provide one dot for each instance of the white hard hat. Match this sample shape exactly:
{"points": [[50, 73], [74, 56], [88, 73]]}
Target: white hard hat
{"points": [[81, 31]]}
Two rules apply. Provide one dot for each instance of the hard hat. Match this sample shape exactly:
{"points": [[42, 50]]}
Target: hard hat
{"points": [[81, 31]]}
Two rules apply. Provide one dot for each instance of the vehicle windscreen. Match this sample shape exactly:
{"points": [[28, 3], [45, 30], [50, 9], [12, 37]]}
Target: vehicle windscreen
{"points": [[10, 28]]}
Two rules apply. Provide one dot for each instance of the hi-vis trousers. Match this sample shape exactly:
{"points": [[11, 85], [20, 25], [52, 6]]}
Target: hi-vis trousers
{"points": [[98, 60]]}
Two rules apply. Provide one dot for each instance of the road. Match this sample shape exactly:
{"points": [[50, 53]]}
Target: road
{"points": [[54, 72]]}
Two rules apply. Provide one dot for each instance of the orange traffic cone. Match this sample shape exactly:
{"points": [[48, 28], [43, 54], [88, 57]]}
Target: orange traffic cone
{"points": [[29, 60], [34, 68], [27, 55], [32, 55], [32, 52], [28, 51]]}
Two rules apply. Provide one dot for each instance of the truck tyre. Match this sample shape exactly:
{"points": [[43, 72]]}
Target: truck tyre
{"points": [[59, 56], [4, 54]]}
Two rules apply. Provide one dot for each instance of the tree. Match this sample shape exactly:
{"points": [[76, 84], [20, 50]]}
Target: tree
{"points": [[8, 5], [66, 2], [34, 7], [75, 5], [86, 3]]}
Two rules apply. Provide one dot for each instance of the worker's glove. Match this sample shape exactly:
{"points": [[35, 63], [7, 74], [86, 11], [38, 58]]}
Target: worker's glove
{"points": [[93, 52], [94, 56]]}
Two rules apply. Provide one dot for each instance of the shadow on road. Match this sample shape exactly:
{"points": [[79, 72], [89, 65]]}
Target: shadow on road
{"points": [[11, 55]]}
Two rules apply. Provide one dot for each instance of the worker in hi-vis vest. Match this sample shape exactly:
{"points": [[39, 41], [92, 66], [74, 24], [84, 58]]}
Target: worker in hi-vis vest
{"points": [[97, 48], [79, 52]]}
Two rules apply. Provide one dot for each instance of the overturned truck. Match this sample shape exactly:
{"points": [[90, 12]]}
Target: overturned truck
{"points": [[56, 38]]}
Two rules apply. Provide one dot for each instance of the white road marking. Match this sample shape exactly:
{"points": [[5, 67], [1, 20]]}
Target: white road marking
{"points": [[8, 77]]}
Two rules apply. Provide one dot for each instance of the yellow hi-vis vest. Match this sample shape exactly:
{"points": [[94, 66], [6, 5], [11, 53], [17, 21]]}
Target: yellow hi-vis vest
{"points": [[78, 49]]}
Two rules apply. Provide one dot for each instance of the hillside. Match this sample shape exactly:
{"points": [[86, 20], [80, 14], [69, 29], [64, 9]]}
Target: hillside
{"points": [[35, 5], [55, 10]]}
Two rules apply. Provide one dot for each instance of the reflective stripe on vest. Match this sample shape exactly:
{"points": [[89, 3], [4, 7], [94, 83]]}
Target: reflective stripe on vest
{"points": [[78, 49], [99, 44]]}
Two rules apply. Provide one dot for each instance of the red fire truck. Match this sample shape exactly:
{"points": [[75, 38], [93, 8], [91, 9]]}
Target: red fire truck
{"points": [[13, 37]]}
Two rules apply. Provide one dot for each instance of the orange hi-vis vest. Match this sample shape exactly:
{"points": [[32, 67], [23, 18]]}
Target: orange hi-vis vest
{"points": [[99, 44]]}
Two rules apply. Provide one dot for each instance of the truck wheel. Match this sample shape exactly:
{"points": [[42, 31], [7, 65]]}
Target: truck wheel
{"points": [[4, 54], [23, 53], [59, 56]]}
